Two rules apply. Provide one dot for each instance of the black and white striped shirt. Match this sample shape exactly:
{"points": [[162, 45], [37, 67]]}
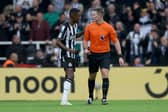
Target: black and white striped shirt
{"points": [[67, 36]]}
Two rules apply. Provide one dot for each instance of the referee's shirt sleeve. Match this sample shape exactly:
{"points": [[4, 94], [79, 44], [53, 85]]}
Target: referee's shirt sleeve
{"points": [[113, 35], [86, 34], [61, 35]]}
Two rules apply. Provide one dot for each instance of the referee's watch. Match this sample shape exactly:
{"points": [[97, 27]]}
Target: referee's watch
{"points": [[120, 56]]}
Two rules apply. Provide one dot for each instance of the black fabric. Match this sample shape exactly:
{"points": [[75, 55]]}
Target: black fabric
{"points": [[97, 60], [91, 85], [68, 63], [69, 80], [105, 87]]}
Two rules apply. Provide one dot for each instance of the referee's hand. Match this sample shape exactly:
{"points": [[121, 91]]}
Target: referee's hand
{"points": [[121, 61], [87, 51]]}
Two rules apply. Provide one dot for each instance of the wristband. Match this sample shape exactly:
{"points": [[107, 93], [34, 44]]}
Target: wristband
{"points": [[120, 56], [86, 48]]}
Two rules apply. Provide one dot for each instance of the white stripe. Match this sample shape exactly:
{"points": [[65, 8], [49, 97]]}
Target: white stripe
{"points": [[67, 42], [61, 33]]}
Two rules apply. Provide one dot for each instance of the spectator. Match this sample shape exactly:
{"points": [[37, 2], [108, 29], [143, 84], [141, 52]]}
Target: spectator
{"points": [[18, 10], [11, 61], [8, 13], [136, 11], [40, 30], [78, 5], [67, 8], [121, 32], [138, 62], [128, 18], [44, 5], [164, 18], [51, 61], [163, 52], [153, 12], [20, 28], [150, 45], [17, 48], [145, 22], [3, 28], [57, 25], [4, 3], [132, 45], [111, 16], [59, 5], [25, 4], [3, 34], [53, 53], [32, 12], [51, 16], [94, 4], [51, 48], [39, 58], [166, 31]]}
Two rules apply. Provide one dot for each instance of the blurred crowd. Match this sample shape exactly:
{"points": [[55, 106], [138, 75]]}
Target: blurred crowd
{"points": [[141, 25]]}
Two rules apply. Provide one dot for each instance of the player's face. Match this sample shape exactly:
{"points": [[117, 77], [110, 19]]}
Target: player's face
{"points": [[76, 17]]}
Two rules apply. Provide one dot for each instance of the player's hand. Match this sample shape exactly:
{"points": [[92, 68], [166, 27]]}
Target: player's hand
{"points": [[74, 51], [87, 51], [121, 61]]}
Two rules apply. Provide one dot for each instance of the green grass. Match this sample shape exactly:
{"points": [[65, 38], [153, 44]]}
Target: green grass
{"points": [[81, 106]]}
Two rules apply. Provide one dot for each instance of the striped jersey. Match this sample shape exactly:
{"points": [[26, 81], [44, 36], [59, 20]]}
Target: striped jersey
{"points": [[67, 36]]}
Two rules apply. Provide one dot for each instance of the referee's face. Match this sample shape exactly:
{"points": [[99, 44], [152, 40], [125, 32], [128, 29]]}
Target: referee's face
{"points": [[95, 16]]}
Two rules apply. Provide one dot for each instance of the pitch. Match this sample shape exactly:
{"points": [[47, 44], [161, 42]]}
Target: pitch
{"points": [[81, 106]]}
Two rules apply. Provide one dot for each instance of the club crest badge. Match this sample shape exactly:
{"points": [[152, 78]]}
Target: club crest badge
{"points": [[69, 64], [102, 37]]}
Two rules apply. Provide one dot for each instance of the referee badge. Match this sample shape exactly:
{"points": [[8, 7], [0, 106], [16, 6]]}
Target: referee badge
{"points": [[102, 37]]}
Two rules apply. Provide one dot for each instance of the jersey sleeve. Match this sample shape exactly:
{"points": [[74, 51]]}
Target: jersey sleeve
{"points": [[62, 33], [86, 34], [113, 35]]}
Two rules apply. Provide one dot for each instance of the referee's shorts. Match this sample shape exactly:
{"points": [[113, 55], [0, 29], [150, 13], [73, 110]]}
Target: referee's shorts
{"points": [[97, 60]]}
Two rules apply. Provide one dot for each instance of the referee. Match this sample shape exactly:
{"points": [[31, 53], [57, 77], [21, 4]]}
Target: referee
{"points": [[100, 34], [66, 40]]}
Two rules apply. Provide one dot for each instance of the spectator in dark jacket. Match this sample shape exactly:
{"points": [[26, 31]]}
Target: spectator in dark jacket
{"points": [[163, 51], [17, 48], [20, 28]]}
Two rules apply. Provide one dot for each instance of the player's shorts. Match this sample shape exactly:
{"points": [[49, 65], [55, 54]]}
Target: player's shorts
{"points": [[97, 60], [68, 63]]}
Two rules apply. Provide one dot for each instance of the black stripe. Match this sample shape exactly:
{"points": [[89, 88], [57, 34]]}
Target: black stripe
{"points": [[73, 28]]}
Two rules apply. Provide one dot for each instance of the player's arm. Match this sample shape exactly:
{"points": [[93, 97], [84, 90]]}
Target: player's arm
{"points": [[79, 34], [60, 37], [61, 45]]}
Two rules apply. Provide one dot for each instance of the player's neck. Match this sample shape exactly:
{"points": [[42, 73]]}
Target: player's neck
{"points": [[71, 22]]}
